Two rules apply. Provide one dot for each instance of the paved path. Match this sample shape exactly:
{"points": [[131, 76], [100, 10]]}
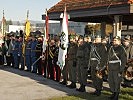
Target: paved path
{"points": [[21, 85]]}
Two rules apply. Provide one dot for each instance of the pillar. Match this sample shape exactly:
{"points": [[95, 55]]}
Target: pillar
{"points": [[117, 25], [103, 29]]}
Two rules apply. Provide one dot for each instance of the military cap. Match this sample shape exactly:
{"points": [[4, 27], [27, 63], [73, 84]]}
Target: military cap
{"points": [[81, 37], [98, 36], [72, 36], [117, 37], [128, 38], [87, 36]]}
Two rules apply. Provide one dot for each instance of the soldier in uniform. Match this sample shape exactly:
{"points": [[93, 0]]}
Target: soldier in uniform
{"points": [[52, 49], [28, 54], [33, 54], [82, 64], [116, 63], [38, 54], [98, 56], [16, 52], [71, 64], [129, 66]]}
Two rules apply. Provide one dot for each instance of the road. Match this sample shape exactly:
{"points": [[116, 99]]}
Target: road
{"points": [[16, 84]]}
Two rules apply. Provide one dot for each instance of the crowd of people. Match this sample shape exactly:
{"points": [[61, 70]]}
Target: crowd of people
{"points": [[98, 56]]}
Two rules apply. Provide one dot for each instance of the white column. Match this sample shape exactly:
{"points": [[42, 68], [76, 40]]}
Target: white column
{"points": [[117, 25]]}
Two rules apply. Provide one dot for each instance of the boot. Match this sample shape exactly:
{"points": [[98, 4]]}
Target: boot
{"points": [[81, 89], [97, 92], [116, 96], [112, 96], [64, 82], [72, 85]]}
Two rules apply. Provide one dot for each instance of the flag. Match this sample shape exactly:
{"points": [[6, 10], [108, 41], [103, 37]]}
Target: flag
{"points": [[3, 29], [27, 27], [45, 37], [63, 40]]}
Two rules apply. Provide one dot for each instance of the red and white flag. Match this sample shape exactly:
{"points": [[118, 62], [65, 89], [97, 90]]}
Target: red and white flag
{"points": [[63, 40], [45, 37]]}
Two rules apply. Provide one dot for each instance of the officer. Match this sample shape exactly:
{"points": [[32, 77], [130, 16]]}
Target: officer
{"points": [[27, 54], [71, 64], [98, 56], [55, 59], [21, 57], [33, 54], [82, 64], [116, 63], [16, 52], [52, 49], [38, 54], [129, 66]]}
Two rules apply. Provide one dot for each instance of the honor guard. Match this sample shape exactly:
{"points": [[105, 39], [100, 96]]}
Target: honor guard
{"points": [[71, 58], [82, 64], [128, 73], [16, 52], [98, 56], [33, 54], [38, 54], [28, 54], [116, 63]]}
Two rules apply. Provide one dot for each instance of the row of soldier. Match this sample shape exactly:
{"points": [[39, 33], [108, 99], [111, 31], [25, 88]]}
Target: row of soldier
{"points": [[83, 55]]}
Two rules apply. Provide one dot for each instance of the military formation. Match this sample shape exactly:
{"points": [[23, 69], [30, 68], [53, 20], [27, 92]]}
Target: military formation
{"points": [[110, 61]]}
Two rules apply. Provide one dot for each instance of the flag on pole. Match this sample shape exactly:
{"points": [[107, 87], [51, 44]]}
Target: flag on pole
{"points": [[3, 29], [45, 37], [64, 40], [27, 26]]}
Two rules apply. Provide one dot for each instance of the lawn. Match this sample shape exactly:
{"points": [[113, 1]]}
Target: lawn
{"points": [[126, 94]]}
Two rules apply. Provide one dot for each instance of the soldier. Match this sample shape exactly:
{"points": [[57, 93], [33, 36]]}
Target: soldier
{"points": [[98, 56], [33, 54], [82, 64], [21, 57], [16, 52], [116, 63], [129, 66], [38, 54], [55, 59], [71, 64], [27, 59]]}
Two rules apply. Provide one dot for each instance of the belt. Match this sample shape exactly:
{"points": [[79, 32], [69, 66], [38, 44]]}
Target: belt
{"points": [[93, 58], [115, 61]]}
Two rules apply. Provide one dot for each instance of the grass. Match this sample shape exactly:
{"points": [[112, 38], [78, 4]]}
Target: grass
{"points": [[126, 94]]}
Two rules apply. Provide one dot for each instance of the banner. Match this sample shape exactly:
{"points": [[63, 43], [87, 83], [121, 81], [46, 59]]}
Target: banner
{"points": [[64, 40], [45, 37]]}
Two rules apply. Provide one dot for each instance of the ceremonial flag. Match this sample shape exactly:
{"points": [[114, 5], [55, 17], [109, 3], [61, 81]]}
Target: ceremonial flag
{"points": [[64, 40], [27, 27], [3, 29], [45, 37]]}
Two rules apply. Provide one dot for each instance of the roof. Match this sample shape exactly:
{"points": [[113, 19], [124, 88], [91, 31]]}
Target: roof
{"points": [[82, 4]]}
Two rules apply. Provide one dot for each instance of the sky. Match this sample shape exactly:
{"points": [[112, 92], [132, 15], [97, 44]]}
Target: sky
{"points": [[16, 10]]}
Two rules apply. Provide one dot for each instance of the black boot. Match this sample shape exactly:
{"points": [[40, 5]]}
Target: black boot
{"points": [[72, 85], [116, 96], [81, 89], [64, 82], [112, 96]]}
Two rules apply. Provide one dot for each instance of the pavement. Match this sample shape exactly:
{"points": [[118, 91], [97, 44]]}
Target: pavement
{"points": [[16, 84]]}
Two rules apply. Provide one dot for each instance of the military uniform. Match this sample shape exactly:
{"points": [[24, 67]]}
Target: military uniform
{"points": [[71, 64], [38, 54], [82, 65], [98, 58], [129, 66], [116, 64], [28, 55], [16, 52], [33, 54]]}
